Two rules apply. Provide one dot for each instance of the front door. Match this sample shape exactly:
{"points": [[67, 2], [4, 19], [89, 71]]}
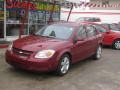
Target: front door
{"points": [[79, 48], [92, 40]]}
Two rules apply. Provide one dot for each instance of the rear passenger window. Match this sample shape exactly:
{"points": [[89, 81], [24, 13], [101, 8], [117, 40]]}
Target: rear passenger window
{"points": [[100, 29], [90, 31], [81, 32]]}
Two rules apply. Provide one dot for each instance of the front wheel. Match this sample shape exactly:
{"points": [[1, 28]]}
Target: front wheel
{"points": [[116, 44], [64, 65], [98, 53]]}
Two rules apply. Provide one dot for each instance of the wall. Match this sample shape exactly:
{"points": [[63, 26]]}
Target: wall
{"points": [[108, 16]]}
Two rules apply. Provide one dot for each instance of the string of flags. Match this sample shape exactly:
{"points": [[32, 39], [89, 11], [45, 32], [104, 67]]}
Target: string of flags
{"points": [[91, 5]]}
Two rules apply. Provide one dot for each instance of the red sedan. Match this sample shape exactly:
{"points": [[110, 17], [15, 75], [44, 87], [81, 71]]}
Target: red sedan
{"points": [[55, 47], [111, 34]]}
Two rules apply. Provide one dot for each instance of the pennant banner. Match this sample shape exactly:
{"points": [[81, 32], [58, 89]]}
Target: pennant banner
{"points": [[91, 5]]}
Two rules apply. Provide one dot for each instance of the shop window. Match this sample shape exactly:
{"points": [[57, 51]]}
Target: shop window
{"points": [[13, 30], [15, 16], [1, 29], [37, 17], [1, 19], [34, 21], [14, 20]]}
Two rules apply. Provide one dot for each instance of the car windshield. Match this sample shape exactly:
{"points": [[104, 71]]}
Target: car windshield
{"points": [[56, 31]]}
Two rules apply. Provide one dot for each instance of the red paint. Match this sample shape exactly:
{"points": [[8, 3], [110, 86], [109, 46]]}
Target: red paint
{"points": [[4, 45], [109, 36], [17, 4], [32, 44]]}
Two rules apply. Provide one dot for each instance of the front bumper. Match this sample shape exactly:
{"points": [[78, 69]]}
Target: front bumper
{"points": [[30, 63]]}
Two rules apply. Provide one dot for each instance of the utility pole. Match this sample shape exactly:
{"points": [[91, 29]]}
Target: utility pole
{"points": [[70, 12]]}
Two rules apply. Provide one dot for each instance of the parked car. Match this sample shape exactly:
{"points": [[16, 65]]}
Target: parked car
{"points": [[111, 34], [55, 47], [89, 19]]}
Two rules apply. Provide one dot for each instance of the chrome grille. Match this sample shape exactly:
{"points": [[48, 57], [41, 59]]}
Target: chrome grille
{"points": [[21, 52]]}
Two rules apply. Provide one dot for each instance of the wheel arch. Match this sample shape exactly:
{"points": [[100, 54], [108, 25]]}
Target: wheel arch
{"points": [[69, 54], [116, 39], [114, 42], [65, 52]]}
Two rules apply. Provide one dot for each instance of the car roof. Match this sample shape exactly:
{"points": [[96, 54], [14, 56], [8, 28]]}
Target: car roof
{"points": [[75, 24], [70, 24], [93, 23]]}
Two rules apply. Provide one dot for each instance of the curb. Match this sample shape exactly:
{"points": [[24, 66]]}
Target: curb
{"points": [[4, 45]]}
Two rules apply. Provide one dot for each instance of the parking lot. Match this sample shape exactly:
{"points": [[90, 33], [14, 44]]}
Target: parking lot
{"points": [[103, 74]]}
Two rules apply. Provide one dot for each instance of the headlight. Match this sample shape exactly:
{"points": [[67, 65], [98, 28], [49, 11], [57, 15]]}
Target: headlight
{"points": [[10, 46], [45, 54]]}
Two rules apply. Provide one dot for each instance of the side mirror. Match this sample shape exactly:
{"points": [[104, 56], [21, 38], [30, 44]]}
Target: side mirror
{"points": [[108, 32], [80, 39], [76, 39]]}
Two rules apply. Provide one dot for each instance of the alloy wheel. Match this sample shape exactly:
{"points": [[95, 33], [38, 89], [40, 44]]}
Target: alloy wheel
{"points": [[117, 44], [65, 64], [99, 52]]}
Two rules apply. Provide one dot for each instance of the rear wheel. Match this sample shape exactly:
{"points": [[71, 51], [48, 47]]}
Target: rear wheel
{"points": [[98, 53], [64, 65], [116, 44]]}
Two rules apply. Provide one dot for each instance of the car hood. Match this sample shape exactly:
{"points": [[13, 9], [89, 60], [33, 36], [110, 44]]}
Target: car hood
{"points": [[36, 43]]}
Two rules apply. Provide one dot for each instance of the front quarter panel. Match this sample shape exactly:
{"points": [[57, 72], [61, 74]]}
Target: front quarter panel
{"points": [[62, 51]]}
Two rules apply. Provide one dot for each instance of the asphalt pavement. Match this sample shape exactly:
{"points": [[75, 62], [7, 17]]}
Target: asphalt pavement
{"points": [[89, 74]]}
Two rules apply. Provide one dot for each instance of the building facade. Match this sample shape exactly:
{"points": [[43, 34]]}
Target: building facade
{"points": [[38, 14]]}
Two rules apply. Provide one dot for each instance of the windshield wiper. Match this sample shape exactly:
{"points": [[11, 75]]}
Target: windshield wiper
{"points": [[50, 36], [44, 36]]}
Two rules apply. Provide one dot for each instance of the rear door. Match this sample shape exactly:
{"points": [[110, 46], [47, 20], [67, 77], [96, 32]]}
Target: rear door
{"points": [[92, 40], [104, 33]]}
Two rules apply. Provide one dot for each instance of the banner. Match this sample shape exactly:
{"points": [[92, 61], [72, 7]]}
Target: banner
{"points": [[17, 4], [43, 6], [91, 5]]}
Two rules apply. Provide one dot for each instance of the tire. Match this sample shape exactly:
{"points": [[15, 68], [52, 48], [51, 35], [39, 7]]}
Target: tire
{"points": [[116, 44], [98, 53], [64, 65]]}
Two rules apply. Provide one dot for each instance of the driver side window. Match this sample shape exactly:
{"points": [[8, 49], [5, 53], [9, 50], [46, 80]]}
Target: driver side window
{"points": [[81, 32]]}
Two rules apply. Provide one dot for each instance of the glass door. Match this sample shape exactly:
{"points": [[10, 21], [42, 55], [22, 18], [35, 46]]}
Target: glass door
{"points": [[36, 21], [1, 19], [1, 29]]}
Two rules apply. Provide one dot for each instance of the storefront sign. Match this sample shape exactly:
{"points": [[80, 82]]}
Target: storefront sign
{"points": [[17, 4], [32, 6], [47, 7]]}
